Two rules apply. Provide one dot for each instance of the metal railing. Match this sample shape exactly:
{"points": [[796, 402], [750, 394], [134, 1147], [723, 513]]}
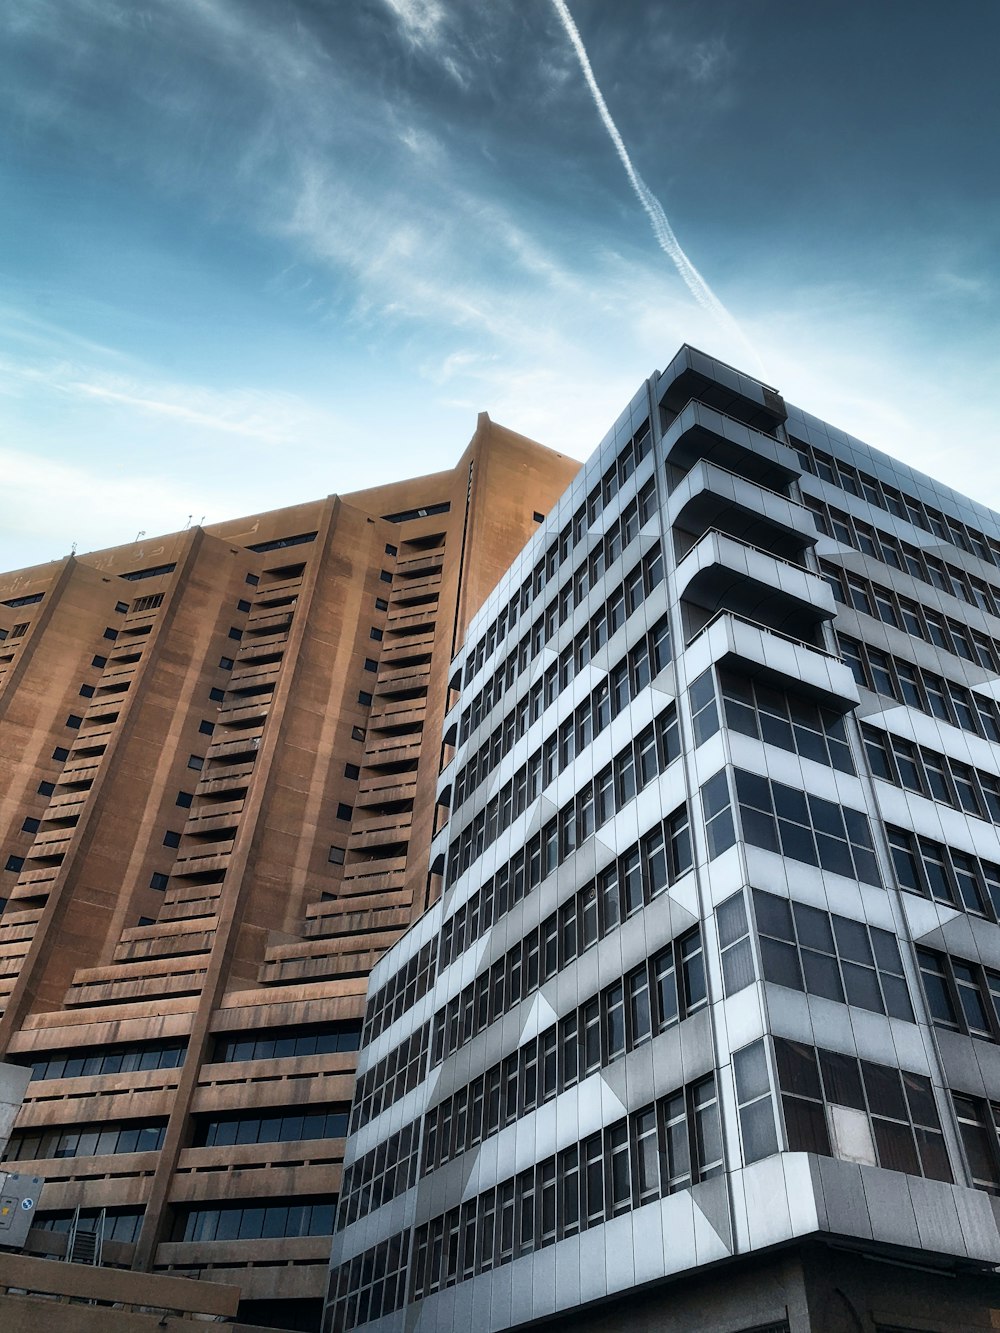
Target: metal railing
{"points": [[756, 624], [760, 550]]}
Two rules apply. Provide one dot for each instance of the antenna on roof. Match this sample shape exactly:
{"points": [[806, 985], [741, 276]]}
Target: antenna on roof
{"points": [[141, 533]]}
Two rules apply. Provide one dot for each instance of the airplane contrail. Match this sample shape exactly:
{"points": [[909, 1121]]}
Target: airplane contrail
{"points": [[662, 229]]}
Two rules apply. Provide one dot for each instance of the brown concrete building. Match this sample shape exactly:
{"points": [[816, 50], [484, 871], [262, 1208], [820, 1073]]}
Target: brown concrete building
{"points": [[216, 806]]}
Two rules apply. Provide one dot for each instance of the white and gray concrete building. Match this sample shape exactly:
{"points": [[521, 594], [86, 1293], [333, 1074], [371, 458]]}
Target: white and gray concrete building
{"points": [[703, 1030]]}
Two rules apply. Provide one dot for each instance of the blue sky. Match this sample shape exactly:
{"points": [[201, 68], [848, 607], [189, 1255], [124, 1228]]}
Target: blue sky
{"points": [[255, 251]]}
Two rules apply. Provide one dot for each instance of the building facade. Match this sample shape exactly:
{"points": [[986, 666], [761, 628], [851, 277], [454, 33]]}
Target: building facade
{"points": [[216, 813], [703, 1033]]}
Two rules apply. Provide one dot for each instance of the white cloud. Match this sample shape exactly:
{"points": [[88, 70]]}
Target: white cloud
{"points": [[421, 20], [271, 417], [49, 505]]}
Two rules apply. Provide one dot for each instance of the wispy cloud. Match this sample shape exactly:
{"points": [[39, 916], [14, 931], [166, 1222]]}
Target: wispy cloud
{"points": [[662, 229], [423, 211], [271, 417]]}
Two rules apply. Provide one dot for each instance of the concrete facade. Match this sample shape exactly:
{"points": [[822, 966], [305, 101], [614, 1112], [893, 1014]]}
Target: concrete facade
{"points": [[703, 1032], [215, 815]]}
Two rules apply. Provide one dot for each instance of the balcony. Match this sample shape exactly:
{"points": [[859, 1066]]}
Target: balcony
{"points": [[702, 432], [245, 745], [268, 623], [720, 573], [709, 497], [789, 664], [692, 374]]}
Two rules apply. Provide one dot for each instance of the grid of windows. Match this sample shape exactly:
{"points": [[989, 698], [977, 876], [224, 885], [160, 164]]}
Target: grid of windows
{"points": [[401, 992], [86, 1140], [830, 955], [109, 1060], [373, 1283], [898, 502], [913, 560], [952, 636], [301, 539], [393, 1077], [799, 825], [944, 873], [120, 1224], [154, 572], [920, 689], [787, 720], [753, 1100], [645, 575], [735, 947], [28, 600], [655, 996], [979, 1128], [279, 1043], [937, 776], [507, 887], [263, 1219], [632, 769], [382, 1174], [634, 878], [887, 1116], [616, 476], [580, 922], [659, 1149], [962, 996], [624, 682], [282, 1127]]}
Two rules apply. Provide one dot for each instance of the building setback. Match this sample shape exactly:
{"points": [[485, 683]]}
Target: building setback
{"points": [[215, 814], [703, 1033]]}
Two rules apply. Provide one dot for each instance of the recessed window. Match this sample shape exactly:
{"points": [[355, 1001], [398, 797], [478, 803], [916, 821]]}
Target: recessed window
{"points": [[226, 663], [87, 691], [216, 695], [381, 604], [60, 753], [158, 881], [253, 580], [343, 811], [147, 921], [336, 856], [357, 733], [99, 661], [375, 633], [30, 825], [539, 518], [195, 761], [110, 633], [390, 549], [74, 721], [364, 698], [171, 839], [243, 604], [385, 576], [121, 607], [206, 728], [184, 799], [235, 633], [370, 664], [14, 863], [46, 788], [352, 771]]}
